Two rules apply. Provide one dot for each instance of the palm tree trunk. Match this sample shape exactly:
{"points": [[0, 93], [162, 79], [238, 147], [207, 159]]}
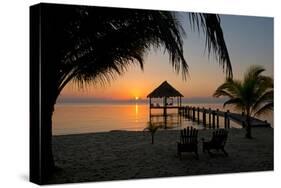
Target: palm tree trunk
{"points": [[248, 126], [47, 159], [49, 96], [152, 138]]}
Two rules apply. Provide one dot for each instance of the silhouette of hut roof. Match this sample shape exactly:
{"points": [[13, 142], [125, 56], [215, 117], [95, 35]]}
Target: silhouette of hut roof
{"points": [[164, 90]]}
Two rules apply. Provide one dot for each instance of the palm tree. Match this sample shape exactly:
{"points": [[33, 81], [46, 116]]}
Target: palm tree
{"points": [[152, 128], [253, 95], [93, 45]]}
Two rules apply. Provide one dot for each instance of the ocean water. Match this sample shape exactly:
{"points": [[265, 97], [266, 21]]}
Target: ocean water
{"points": [[77, 118]]}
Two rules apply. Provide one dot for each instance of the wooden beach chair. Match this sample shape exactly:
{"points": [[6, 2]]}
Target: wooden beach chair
{"points": [[217, 142], [188, 141]]}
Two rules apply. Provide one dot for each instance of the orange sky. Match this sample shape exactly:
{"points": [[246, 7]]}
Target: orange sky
{"points": [[137, 83], [249, 41]]}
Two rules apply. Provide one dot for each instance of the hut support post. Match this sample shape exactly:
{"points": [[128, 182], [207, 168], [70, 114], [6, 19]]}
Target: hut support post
{"points": [[193, 113], [178, 105], [165, 106], [180, 101], [149, 106], [210, 123]]}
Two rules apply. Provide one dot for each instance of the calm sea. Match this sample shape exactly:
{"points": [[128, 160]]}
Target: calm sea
{"points": [[77, 118]]}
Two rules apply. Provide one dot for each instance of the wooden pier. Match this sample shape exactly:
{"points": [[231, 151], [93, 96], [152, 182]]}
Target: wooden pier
{"points": [[210, 117]]}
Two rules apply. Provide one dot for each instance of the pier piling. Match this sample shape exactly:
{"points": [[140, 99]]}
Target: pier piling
{"points": [[204, 117], [198, 115], [214, 121], [210, 118], [193, 113], [218, 120]]}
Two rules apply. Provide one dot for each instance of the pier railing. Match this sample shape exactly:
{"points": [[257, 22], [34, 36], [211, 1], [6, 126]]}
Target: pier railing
{"points": [[210, 117]]}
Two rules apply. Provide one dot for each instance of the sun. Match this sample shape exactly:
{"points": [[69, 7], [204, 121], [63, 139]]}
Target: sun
{"points": [[136, 98]]}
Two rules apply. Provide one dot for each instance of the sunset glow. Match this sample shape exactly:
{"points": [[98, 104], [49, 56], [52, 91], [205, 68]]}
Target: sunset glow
{"points": [[120, 93], [205, 74]]}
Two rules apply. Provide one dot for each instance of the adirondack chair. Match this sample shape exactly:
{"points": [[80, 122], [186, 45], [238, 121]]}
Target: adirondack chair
{"points": [[217, 142], [188, 141]]}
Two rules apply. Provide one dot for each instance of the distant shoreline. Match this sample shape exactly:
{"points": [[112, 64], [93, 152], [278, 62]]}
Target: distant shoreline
{"points": [[193, 100]]}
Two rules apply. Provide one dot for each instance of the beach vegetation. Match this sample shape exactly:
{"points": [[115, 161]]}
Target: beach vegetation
{"points": [[253, 95], [152, 128]]}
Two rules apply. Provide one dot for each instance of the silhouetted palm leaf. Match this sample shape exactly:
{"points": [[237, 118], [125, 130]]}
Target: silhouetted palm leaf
{"points": [[210, 24], [93, 45], [152, 128], [254, 95], [104, 43]]}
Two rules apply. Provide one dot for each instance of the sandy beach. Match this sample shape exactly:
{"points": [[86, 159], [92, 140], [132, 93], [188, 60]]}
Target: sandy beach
{"points": [[130, 155]]}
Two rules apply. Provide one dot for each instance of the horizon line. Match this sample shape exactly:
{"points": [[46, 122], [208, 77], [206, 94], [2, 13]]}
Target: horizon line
{"points": [[132, 100]]}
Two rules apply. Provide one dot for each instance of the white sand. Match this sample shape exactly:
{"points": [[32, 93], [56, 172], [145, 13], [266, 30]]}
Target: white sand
{"points": [[129, 155]]}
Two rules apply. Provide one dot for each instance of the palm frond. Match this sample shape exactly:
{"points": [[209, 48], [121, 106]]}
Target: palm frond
{"points": [[151, 128], [120, 39], [264, 109], [230, 88], [254, 94], [265, 98], [253, 72], [94, 45], [214, 38], [235, 101]]}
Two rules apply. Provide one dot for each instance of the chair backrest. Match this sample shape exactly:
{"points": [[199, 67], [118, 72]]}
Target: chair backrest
{"points": [[219, 137], [189, 135]]}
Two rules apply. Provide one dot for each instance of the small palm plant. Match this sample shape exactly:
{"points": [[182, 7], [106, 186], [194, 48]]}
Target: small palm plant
{"points": [[152, 128], [253, 95]]}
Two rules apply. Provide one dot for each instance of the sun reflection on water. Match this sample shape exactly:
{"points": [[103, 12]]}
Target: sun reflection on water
{"points": [[136, 112]]}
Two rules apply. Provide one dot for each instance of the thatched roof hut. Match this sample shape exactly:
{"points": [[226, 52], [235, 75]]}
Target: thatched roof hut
{"points": [[167, 93], [164, 90]]}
